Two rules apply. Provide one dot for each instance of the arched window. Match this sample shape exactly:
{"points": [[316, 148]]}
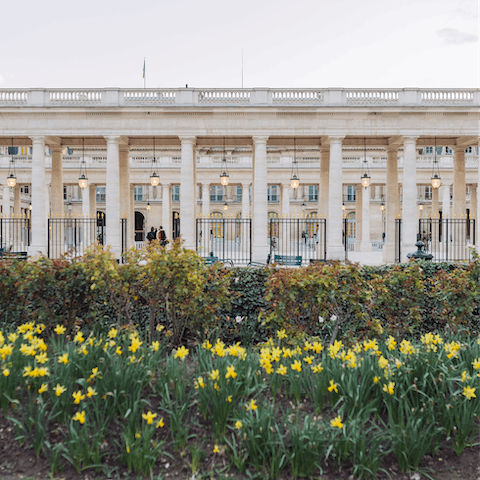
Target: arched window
{"points": [[351, 233]]}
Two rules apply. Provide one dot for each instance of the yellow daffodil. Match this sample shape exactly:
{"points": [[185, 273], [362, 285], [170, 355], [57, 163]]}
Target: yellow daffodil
{"points": [[79, 417], [391, 343], [398, 363], [308, 360], [155, 346], [63, 358], [118, 351], [296, 365], [317, 368], [376, 379], [112, 333], [206, 345], [230, 372], [465, 376], [252, 405], [390, 388], [215, 449], [476, 364], [469, 392], [214, 375], [138, 435], [5, 372], [91, 392], [59, 389], [238, 424], [199, 383], [333, 386], [135, 344], [281, 334], [79, 338], [160, 328], [317, 347], [282, 370], [43, 388], [181, 353], [160, 423], [406, 348], [41, 358], [149, 416], [12, 337], [382, 362], [229, 399], [78, 397], [337, 422]]}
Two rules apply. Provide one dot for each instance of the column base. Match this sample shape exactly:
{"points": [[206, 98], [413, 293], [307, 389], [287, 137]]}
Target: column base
{"points": [[37, 250], [335, 252], [388, 253], [365, 247], [260, 253]]}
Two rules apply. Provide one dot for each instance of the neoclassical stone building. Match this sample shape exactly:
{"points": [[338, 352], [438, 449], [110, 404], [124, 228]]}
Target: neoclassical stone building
{"points": [[330, 138]]}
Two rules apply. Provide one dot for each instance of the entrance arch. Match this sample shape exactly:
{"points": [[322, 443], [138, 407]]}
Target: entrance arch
{"points": [[139, 227]]}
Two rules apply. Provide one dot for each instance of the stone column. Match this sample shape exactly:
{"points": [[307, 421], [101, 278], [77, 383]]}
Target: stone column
{"points": [[85, 202], [260, 206], [477, 220], [17, 201], [335, 248], [112, 196], [39, 207], [286, 200], [359, 194], [188, 192], [459, 186], [446, 213], [131, 215], [6, 237], [435, 206], [410, 211], [392, 201], [473, 213], [93, 200], [125, 197], [324, 178], [366, 245], [245, 200], [167, 210], [205, 199], [57, 182], [47, 209]]}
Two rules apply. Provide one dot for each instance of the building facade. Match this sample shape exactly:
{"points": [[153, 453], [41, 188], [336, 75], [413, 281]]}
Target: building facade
{"points": [[330, 137]]}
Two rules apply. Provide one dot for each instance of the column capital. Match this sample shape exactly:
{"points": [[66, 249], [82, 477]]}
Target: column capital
{"points": [[38, 139], [259, 139], [57, 148], [410, 138], [125, 148], [188, 139], [458, 149], [392, 148], [112, 139], [246, 185]]}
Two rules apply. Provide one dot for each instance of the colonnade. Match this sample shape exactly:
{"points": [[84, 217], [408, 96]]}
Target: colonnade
{"points": [[119, 194]]}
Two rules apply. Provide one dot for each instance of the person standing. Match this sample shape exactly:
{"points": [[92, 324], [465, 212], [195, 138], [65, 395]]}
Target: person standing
{"points": [[162, 236], [152, 235]]}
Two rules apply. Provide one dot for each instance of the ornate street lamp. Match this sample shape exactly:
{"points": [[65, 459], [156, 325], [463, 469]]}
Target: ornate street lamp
{"points": [[12, 178], [382, 205], [365, 176], [436, 180], [294, 178], [224, 177], [82, 178], [154, 178]]}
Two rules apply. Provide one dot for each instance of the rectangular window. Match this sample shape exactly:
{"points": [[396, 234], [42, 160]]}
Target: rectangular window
{"points": [[439, 150], [312, 193], [238, 194], [448, 151], [351, 194], [428, 192], [13, 150], [99, 194], [25, 189], [273, 193], [217, 193], [468, 150], [429, 150], [175, 193], [138, 194]]}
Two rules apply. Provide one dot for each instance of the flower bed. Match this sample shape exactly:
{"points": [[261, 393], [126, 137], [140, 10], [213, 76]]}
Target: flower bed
{"points": [[282, 408]]}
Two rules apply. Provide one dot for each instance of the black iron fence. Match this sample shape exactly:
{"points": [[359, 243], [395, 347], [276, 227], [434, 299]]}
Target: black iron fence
{"points": [[447, 239], [15, 233], [227, 239], [302, 236], [75, 233]]}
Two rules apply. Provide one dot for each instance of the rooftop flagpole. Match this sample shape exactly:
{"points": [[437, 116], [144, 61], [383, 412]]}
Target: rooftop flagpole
{"points": [[144, 75]]}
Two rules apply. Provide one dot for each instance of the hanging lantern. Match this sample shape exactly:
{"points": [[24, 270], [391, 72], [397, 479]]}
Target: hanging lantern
{"points": [[382, 206], [30, 206], [294, 178], [12, 178], [365, 176], [82, 179], [420, 206], [225, 206], [343, 207], [148, 207], [436, 180], [224, 177], [154, 178]]}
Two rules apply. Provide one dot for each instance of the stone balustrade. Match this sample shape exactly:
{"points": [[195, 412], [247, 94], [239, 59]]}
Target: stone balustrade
{"points": [[256, 97]]}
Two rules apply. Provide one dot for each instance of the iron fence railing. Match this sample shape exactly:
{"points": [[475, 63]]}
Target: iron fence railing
{"points": [[15, 233], [304, 237], [225, 239]]}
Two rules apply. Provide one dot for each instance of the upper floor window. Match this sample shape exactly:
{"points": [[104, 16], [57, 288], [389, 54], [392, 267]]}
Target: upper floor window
{"points": [[349, 193], [238, 193], [13, 150], [217, 193], [138, 194], [468, 150], [312, 193], [99, 194], [448, 151], [175, 193], [25, 189], [439, 150], [428, 192], [429, 150], [273, 193]]}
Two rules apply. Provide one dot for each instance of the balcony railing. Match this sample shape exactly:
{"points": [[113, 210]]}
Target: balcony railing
{"points": [[165, 97]]}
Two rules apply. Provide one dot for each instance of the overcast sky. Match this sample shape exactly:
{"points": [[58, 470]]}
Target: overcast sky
{"points": [[285, 43]]}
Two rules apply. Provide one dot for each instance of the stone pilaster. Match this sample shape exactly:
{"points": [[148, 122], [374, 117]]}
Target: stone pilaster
{"points": [[365, 245], [17, 201], [57, 181], [324, 178], [358, 216], [410, 210], [205, 199], [260, 205], [335, 248], [459, 185], [188, 192], [112, 196], [245, 200], [286, 199], [39, 208], [392, 202]]}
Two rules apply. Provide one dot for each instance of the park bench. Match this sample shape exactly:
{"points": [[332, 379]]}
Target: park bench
{"points": [[288, 260], [211, 260]]}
